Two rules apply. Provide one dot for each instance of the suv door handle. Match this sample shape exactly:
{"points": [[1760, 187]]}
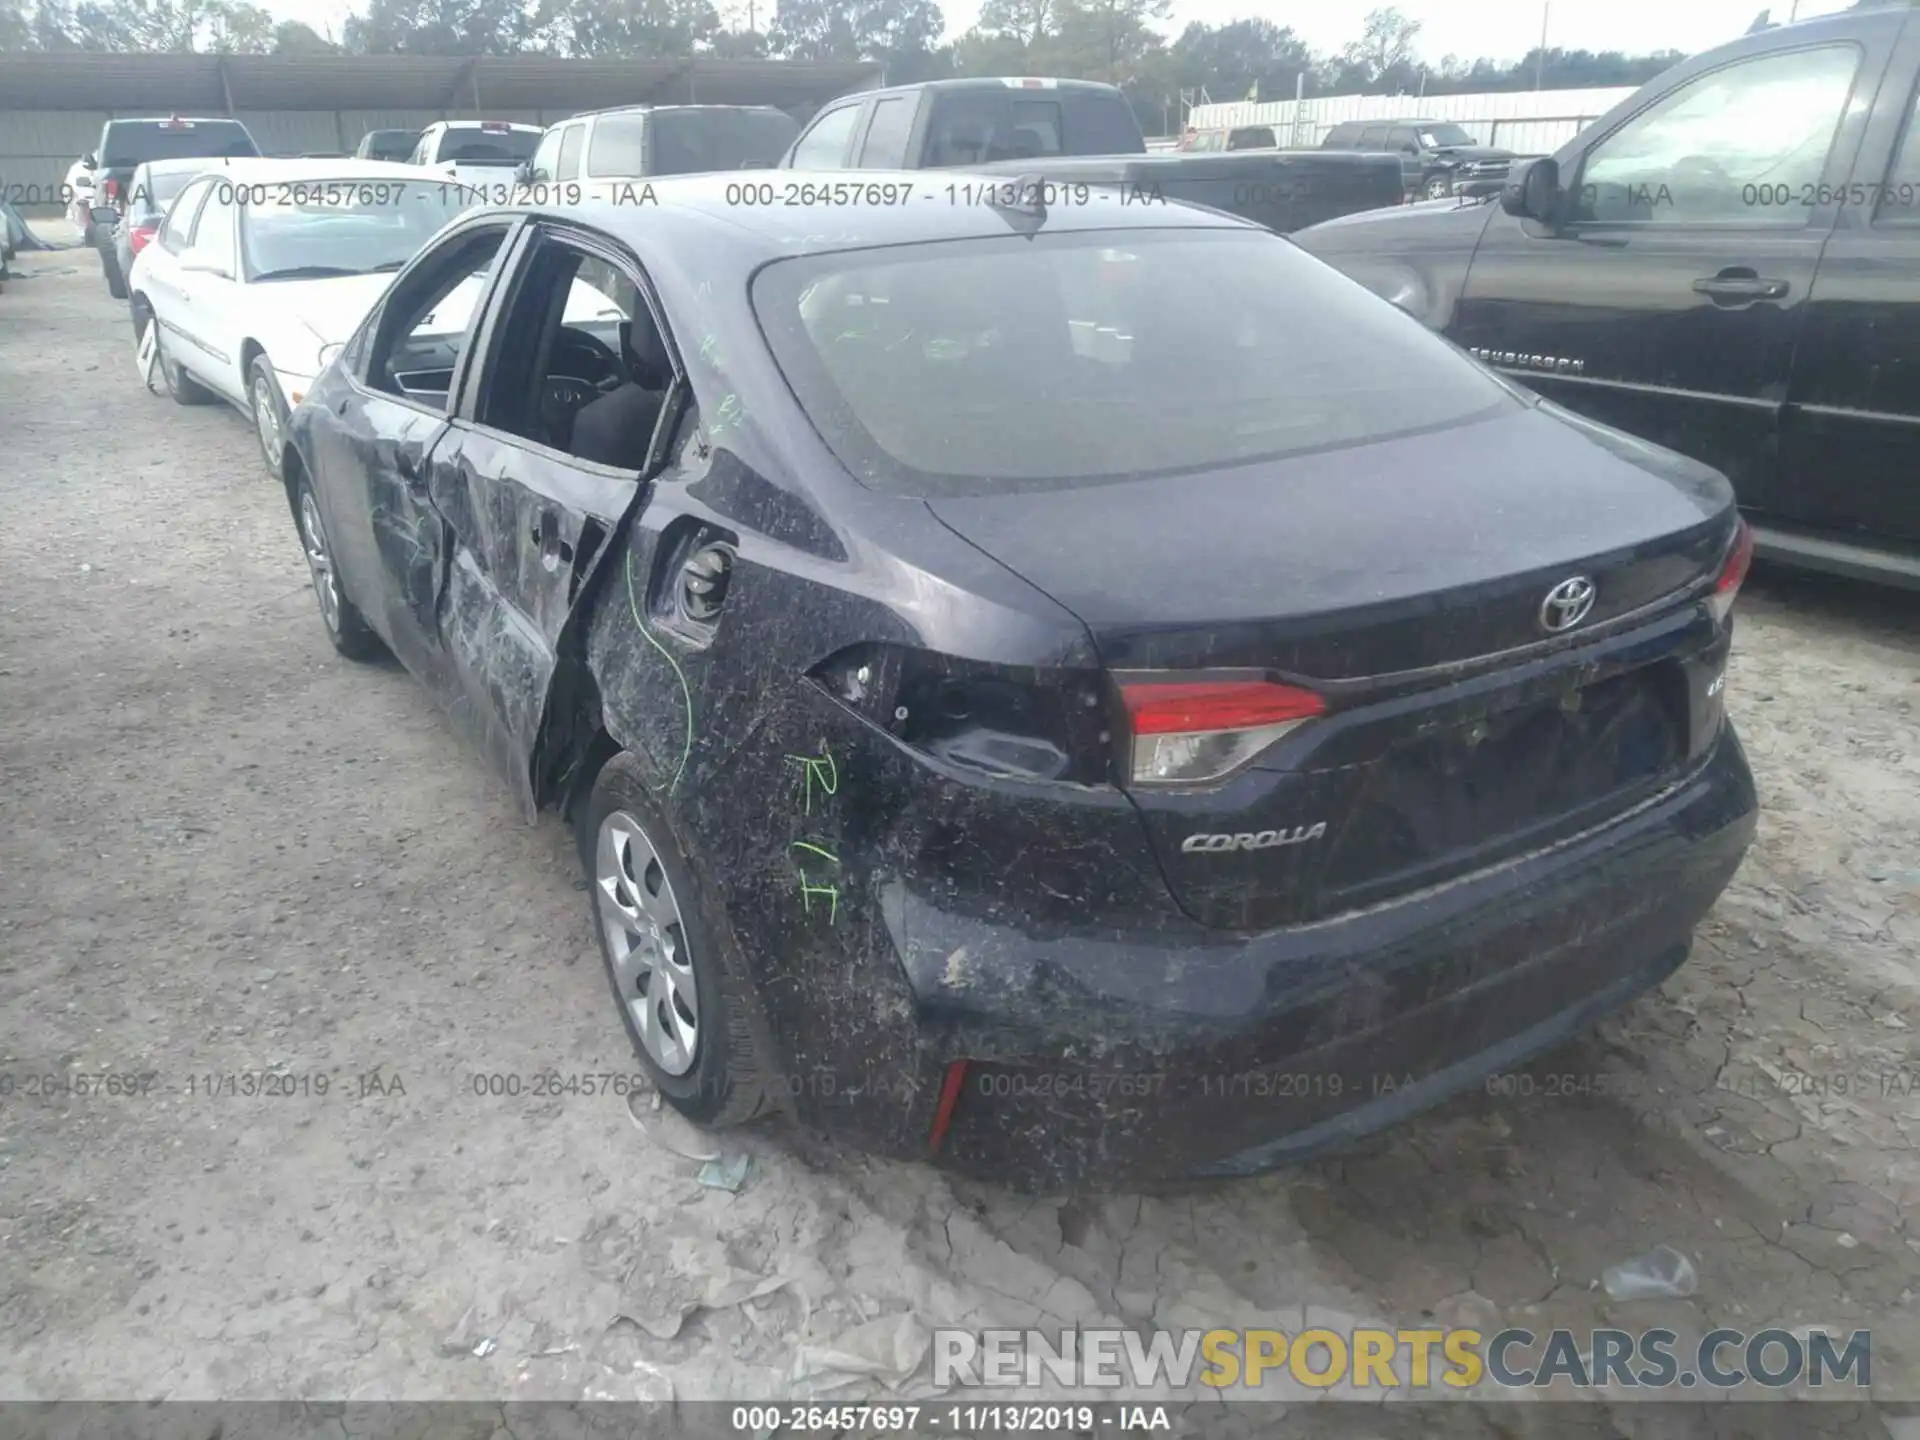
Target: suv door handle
{"points": [[1738, 283]]}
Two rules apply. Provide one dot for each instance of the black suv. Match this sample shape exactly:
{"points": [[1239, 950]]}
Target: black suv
{"points": [[1438, 157]]}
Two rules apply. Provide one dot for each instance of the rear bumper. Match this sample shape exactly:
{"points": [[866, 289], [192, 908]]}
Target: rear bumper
{"points": [[1102, 1057]]}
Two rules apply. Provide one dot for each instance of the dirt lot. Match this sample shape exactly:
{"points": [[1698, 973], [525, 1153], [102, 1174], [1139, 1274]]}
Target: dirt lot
{"points": [[228, 852]]}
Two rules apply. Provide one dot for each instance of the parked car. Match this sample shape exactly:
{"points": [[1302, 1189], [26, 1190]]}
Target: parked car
{"points": [[262, 268], [1047, 859], [1240, 137], [603, 148], [1438, 158], [395, 145], [78, 191], [127, 144], [1717, 264], [119, 236], [1038, 134], [481, 154]]}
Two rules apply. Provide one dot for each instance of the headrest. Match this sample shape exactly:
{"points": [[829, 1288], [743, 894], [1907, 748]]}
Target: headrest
{"points": [[646, 351]]}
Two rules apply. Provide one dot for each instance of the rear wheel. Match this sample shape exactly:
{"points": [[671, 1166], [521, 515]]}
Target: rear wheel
{"points": [[670, 959], [346, 627], [110, 267], [269, 411]]}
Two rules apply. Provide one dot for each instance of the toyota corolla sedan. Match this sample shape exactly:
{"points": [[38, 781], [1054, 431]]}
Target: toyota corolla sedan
{"points": [[262, 267], [1081, 694]]}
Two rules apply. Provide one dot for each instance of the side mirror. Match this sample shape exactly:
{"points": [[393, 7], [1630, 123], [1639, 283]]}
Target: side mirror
{"points": [[1533, 190], [330, 353], [523, 173], [88, 162]]}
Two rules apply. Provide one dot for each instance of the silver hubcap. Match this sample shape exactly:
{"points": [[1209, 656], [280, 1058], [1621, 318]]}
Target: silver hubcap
{"points": [[648, 943], [319, 562], [266, 419]]}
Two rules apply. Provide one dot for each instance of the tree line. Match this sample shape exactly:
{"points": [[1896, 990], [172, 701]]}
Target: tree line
{"points": [[1113, 40]]}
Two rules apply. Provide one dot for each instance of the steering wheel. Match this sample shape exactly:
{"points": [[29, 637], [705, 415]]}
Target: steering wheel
{"points": [[580, 356]]}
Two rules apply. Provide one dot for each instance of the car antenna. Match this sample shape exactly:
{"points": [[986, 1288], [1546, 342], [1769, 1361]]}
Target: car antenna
{"points": [[1026, 211]]}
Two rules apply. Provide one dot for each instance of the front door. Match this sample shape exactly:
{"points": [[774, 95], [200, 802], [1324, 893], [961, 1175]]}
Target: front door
{"points": [[1668, 298], [535, 477], [390, 542]]}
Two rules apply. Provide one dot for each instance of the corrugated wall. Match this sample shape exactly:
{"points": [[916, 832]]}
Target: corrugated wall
{"points": [[1537, 121], [37, 146]]}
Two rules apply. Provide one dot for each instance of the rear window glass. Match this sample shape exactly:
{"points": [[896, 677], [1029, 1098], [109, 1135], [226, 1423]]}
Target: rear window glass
{"points": [[686, 142], [156, 190], [969, 366], [130, 142], [486, 147]]}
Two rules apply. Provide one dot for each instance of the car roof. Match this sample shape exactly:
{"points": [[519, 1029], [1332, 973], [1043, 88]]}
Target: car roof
{"points": [[654, 109], [174, 120], [685, 208]]}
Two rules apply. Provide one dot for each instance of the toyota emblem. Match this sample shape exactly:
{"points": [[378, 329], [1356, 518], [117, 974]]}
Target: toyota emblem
{"points": [[1567, 604]]}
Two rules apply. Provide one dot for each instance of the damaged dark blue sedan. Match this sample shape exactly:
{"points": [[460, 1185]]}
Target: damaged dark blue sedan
{"points": [[1084, 693]]}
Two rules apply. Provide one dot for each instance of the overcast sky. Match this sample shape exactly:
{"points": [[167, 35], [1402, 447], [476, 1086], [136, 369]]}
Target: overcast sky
{"points": [[1497, 29]]}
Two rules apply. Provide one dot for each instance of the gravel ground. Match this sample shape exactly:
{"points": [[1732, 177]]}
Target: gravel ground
{"points": [[228, 852]]}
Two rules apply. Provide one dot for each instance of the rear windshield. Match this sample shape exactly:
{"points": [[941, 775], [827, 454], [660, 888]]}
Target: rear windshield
{"points": [[486, 147], [155, 191], [970, 366], [130, 142], [686, 142], [390, 144]]}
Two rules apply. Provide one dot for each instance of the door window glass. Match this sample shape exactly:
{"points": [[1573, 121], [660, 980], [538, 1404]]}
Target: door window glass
{"points": [[570, 144], [545, 157], [886, 147], [213, 237], [429, 320], [586, 372], [177, 232], [824, 147], [1899, 202], [1738, 145]]}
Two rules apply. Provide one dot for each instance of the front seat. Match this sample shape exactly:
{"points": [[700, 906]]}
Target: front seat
{"points": [[616, 428]]}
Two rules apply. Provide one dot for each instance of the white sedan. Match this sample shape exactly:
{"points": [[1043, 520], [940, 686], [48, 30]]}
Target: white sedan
{"points": [[262, 270]]}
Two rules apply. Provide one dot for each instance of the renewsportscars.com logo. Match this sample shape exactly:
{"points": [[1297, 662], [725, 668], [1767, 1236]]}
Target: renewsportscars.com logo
{"points": [[1379, 1359]]}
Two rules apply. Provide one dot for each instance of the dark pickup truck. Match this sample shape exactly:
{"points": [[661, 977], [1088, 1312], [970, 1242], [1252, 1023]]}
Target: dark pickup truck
{"points": [[1437, 157], [1727, 263], [1079, 132]]}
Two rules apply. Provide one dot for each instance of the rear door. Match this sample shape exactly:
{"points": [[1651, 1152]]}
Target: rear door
{"points": [[1850, 444], [160, 280], [213, 300], [1670, 299], [527, 519]]}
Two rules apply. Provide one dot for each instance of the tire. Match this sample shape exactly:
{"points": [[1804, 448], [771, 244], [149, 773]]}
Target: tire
{"points": [[346, 627], [1439, 187], [116, 282], [184, 389], [656, 926], [268, 410]]}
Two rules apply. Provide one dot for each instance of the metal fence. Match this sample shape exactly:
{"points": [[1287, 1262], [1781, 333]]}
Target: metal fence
{"points": [[1529, 121]]}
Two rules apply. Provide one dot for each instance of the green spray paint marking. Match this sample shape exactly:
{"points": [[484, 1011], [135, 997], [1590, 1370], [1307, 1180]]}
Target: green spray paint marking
{"points": [[821, 770], [685, 691], [809, 890]]}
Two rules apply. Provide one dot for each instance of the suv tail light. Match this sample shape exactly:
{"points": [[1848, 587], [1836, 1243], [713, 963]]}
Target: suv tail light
{"points": [[111, 190], [139, 235], [1733, 572], [1194, 730]]}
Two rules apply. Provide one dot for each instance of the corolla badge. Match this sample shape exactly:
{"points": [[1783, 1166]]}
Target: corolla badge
{"points": [[1256, 840], [1567, 604]]}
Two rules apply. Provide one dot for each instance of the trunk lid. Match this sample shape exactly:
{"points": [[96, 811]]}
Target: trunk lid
{"points": [[1342, 570]]}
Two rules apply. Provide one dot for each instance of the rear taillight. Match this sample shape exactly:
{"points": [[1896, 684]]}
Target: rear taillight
{"points": [[1733, 572], [139, 235], [1190, 731], [111, 190]]}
